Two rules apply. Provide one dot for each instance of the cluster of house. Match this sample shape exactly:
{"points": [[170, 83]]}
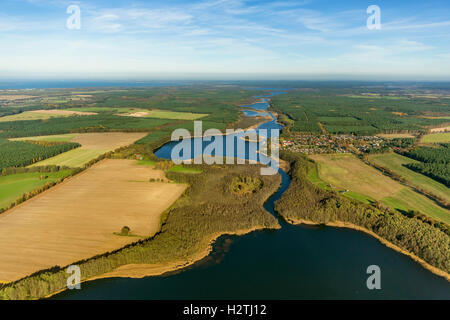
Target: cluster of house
{"points": [[313, 144]]}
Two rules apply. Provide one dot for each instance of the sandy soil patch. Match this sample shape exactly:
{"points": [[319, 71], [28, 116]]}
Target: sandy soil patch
{"points": [[77, 219], [137, 114], [443, 129]]}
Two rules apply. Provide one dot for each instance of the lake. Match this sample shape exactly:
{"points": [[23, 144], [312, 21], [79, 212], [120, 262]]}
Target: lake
{"points": [[294, 262]]}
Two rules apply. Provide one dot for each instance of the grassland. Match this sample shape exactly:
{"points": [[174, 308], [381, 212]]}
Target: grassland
{"points": [[162, 114], [144, 113], [182, 169], [443, 137], [50, 138], [14, 186], [394, 162], [395, 135], [347, 173], [92, 146], [43, 115], [77, 219]]}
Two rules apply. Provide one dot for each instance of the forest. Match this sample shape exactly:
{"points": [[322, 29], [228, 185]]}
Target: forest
{"points": [[347, 111], [434, 162], [21, 153]]}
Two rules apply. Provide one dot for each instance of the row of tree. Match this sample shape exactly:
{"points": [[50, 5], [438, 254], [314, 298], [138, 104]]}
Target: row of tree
{"points": [[21, 154]]}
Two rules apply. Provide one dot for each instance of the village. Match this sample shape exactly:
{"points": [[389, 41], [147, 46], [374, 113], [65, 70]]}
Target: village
{"points": [[316, 144]]}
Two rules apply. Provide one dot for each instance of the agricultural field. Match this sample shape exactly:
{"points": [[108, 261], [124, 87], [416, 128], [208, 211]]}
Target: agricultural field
{"points": [[443, 137], [78, 218], [12, 187], [160, 114], [395, 163], [391, 136], [43, 115], [92, 146], [143, 113], [347, 173]]}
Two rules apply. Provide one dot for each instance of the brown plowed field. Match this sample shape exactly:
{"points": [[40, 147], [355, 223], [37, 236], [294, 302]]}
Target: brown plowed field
{"points": [[77, 219]]}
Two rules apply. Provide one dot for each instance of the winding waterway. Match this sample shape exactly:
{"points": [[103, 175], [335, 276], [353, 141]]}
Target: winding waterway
{"points": [[294, 262]]}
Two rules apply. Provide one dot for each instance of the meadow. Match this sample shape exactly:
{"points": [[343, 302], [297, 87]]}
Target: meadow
{"points": [[395, 163], [346, 172], [143, 113], [443, 137], [12, 187], [43, 115]]}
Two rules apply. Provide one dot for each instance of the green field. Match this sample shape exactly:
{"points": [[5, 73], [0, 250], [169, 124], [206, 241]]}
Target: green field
{"points": [[53, 138], [158, 114], [360, 197], [28, 115], [394, 162], [182, 169], [14, 186], [364, 183], [443, 137], [73, 158], [103, 109], [146, 163], [406, 200]]}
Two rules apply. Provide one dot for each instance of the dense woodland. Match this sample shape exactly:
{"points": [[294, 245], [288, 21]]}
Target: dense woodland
{"points": [[425, 238], [21, 153], [348, 112], [434, 162]]}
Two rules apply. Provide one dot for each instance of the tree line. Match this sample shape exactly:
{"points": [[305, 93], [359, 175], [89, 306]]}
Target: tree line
{"points": [[21, 153]]}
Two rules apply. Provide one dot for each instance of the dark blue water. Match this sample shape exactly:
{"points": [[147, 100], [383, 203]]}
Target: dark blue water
{"points": [[294, 262], [249, 149]]}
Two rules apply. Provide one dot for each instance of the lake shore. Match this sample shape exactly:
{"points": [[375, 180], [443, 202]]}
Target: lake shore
{"points": [[139, 271], [340, 224]]}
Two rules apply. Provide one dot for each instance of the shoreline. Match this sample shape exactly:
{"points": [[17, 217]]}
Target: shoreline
{"points": [[340, 224], [139, 271]]}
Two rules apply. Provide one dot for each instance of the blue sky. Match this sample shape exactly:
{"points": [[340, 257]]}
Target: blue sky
{"points": [[226, 39]]}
